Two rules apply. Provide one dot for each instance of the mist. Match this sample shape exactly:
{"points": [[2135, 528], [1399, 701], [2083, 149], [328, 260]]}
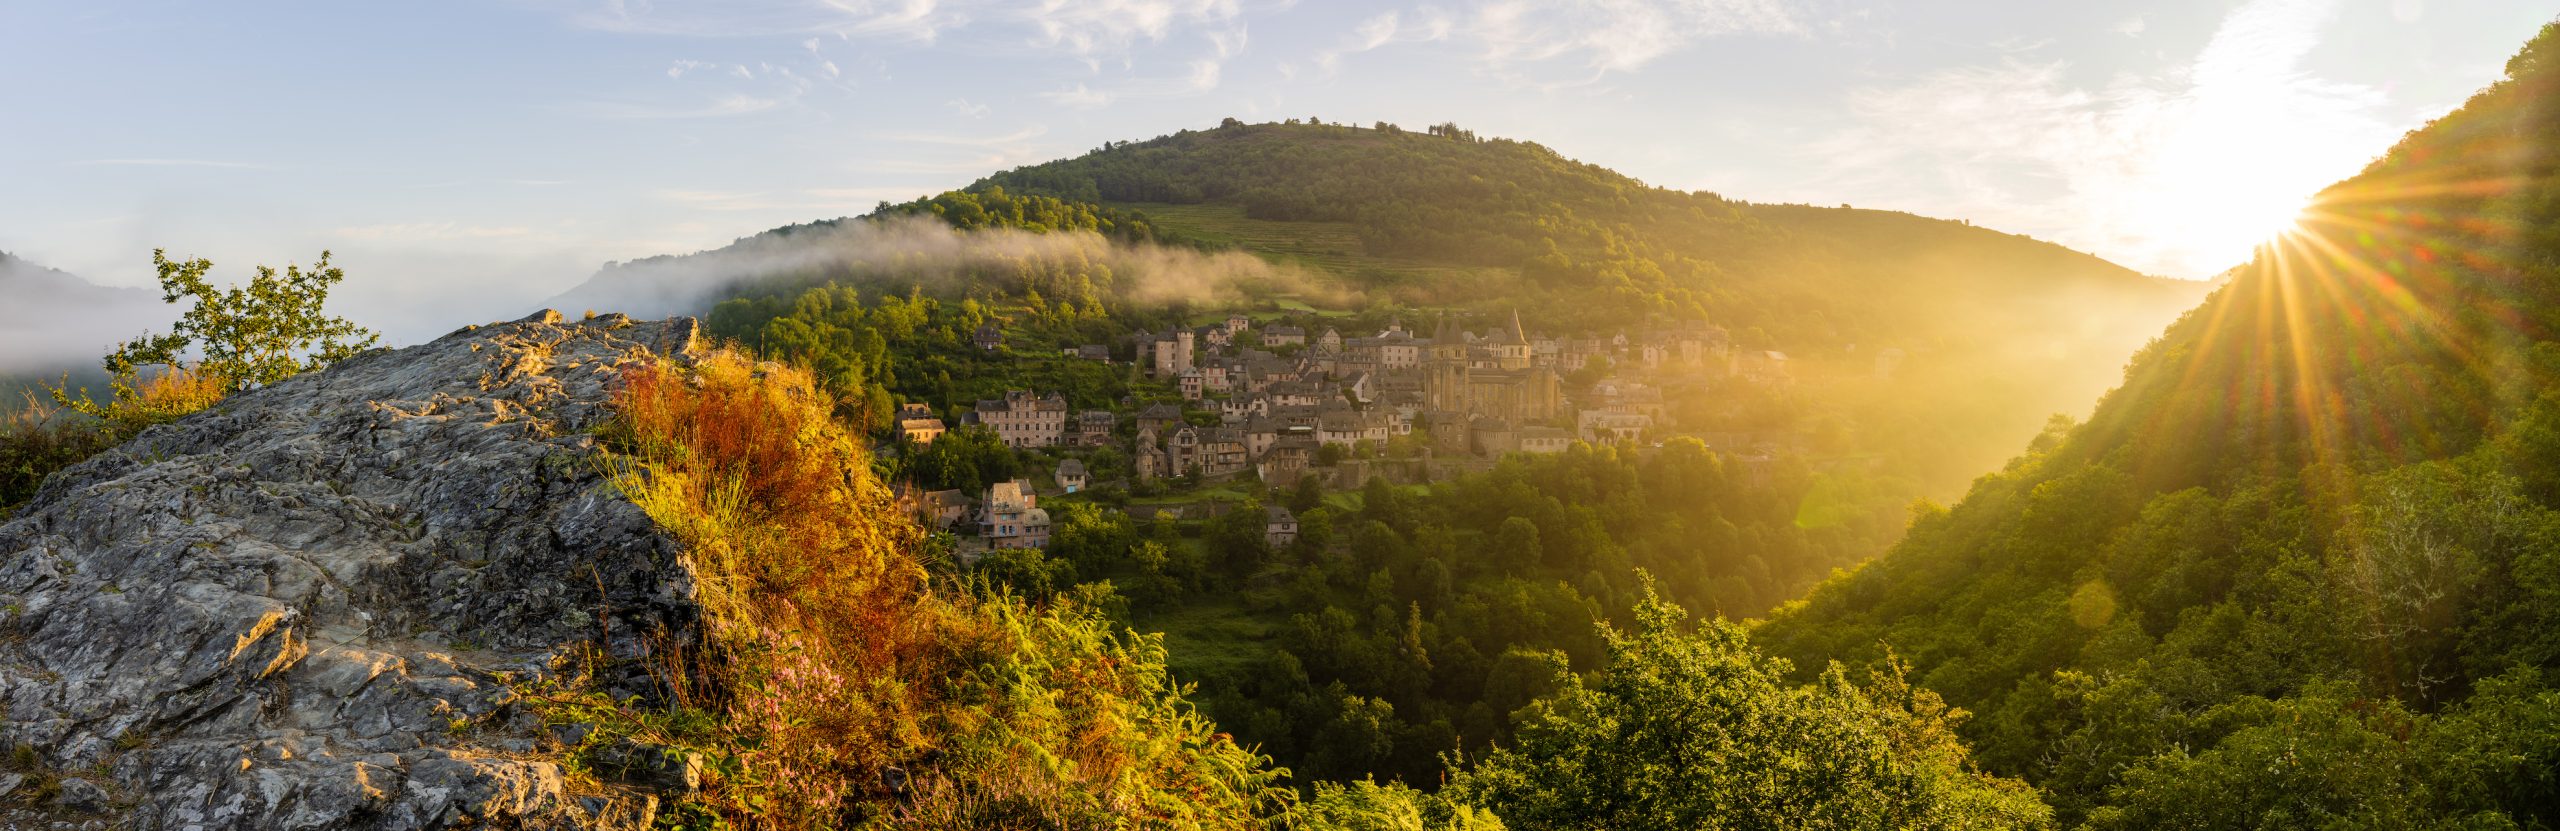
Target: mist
{"points": [[930, 254], [52, 321]]}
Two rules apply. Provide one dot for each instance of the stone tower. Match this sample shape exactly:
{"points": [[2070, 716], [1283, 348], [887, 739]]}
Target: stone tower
{"points": [[1444, 381]]}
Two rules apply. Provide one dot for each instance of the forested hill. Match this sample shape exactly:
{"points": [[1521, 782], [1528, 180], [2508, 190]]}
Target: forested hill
{"points": [[1995, 331], [2303, 568], [1442, 216]]}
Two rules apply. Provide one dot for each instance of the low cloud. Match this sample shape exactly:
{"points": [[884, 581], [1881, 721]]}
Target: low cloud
{"points": [[54, 321], [928, 253]]}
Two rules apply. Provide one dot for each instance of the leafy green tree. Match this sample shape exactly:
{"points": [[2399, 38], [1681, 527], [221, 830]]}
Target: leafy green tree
{"points": [[248, 336], [1684, 731], [1515, 547], [1240, 538], [1029, 571], [1360, 738], [1306, 494], [241, 337]]}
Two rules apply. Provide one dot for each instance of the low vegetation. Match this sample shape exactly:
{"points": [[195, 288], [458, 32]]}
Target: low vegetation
{"points": [[841, 685], [229, 339]]}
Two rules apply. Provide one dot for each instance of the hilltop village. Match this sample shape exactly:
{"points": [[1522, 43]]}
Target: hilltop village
{"points": [[1285, 401]]}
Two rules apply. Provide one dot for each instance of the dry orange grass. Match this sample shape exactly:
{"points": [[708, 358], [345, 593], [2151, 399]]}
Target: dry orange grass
{"points": [[822, 624], [846, 690]]}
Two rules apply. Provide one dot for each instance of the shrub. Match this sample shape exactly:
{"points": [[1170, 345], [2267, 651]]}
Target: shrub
{"points": [[838, 685], [43, 437], [35, 442]]}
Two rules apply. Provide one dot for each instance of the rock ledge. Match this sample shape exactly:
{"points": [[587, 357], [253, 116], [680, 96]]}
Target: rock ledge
{"points": [[289, 611]]}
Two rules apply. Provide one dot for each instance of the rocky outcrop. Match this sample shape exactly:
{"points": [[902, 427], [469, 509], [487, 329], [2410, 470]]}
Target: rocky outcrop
{"points": [[292, 610]]}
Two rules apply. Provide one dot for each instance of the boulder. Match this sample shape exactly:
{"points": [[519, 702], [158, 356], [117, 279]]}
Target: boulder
{"points": [[301, 608]]}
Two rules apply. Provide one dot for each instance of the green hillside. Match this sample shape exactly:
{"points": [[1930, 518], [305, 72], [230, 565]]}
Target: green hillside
{"points": [[2002, 331], [1387, 207], [2299, 570]]}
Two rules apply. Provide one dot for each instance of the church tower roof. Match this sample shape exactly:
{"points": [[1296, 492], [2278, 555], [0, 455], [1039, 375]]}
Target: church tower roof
{"points": [[1513, 334], [1447, 331]]}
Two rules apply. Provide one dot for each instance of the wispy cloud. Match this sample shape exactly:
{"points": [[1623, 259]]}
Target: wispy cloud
{"points": [[907, 19], [1588, 38], [2177, 173], [520, 182], [1198, 77], [1074, 27], [1615, 35], [170, 163], [965, 107], [725, 106], [1076, 95], [1087, 27], [1099, 35], [430, 231], [798, 202], [1006, 139], [969, 154], [1423, 25]]}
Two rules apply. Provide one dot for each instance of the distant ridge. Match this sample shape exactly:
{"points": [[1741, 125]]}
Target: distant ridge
{"points": [[52, 323]]}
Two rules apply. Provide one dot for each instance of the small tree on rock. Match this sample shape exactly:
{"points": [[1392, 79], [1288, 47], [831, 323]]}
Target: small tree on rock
{"points": [[244, 337]]}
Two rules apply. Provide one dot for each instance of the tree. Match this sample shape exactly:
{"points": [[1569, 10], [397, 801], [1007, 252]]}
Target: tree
{"points": [[1515, 546], [245, 337], [1359, 739], [1307, 494], [248, 336], [1241, 539], [1701, 731]]}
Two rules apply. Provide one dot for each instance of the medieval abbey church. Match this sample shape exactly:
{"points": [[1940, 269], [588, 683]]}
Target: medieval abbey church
{"points": [[1489, 378]]}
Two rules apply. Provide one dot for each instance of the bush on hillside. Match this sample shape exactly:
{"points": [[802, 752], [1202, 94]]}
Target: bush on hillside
{"points": [[839, 686]]}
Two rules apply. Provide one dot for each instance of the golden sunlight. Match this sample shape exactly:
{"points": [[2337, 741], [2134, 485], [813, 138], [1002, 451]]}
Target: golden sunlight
{"points": [[2210, 206]]}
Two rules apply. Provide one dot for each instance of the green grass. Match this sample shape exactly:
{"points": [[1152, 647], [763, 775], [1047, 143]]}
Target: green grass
{"points": [[1229, 491], [1210, 635], [1350, 502]]}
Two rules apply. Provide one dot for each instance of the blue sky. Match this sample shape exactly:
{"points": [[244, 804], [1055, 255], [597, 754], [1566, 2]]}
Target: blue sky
{"points": [[467, 159]]}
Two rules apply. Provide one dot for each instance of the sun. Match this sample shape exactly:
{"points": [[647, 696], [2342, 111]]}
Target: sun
{"points": [[2206, 212], [2253, 212]]}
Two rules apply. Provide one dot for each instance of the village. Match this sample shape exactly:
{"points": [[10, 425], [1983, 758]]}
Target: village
{"points": [[1274, 403]]}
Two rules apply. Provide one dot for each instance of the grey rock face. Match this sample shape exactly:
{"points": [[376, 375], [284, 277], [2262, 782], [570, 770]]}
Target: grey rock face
{"points": [[82, 795], [288, 611]]}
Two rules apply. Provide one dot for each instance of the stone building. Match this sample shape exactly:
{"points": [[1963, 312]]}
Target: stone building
{"points": [[1279, 527], [1070, 476], [1022, 419], [1093, 428], [1012, 517], [1503, 385], [1168, 354]]}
